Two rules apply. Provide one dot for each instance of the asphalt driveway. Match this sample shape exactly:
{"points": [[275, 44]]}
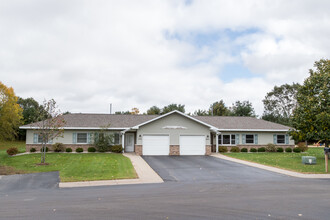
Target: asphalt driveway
{"points": [[207, 169]]}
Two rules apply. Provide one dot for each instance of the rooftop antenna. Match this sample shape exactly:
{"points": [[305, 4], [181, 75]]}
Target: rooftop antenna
{"points": [[110, 108]]}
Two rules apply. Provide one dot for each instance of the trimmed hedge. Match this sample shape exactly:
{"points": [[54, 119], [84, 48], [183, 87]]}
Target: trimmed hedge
{"points": [[79, 150], [280, 150], [223, 149], [68, 150], [261, 149], [302, 146], [32, 150], [235, 150], [288, 149], [117, 148], [58, 147], [253, 150], [12, 151], [270, 148], [297, 150], [91, 149], [244, 150], [43, 149]]}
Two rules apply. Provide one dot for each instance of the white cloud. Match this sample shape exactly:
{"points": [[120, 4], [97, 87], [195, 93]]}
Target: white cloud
{"points": [[86, 54]]}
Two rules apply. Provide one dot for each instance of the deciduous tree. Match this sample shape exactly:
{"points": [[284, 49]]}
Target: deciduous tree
{"points": [[219, 109], [244, 108], [311, 118], [172, 107], [51, 127], [154, 110], [10, 113], [280, 103]]}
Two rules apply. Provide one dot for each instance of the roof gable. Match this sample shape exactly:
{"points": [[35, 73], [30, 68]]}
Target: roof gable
{"points": [[173, 112]]}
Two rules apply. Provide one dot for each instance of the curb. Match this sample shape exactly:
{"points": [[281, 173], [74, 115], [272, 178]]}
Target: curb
{"points": [[144, 172], [273, 169]]}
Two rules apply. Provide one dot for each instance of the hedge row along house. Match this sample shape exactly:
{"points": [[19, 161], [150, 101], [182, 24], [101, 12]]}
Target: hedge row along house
{"points": [[174, 133]]}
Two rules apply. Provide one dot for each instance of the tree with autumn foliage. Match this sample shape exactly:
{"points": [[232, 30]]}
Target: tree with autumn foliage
{"points": [[311, 118], [10, 113]]}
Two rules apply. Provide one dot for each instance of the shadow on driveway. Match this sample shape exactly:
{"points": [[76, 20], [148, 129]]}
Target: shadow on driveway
{"points": [[49, 180]]}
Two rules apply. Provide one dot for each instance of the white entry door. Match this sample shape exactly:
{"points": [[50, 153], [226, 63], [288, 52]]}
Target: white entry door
{"points": [[156, 145], [192, 145], [129, 142]]}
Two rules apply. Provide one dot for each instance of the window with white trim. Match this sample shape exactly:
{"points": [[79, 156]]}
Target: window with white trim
{"points": [[227, 139], [249, 139], [82, 138], [40, 139], [117, 138], [280, 139]]}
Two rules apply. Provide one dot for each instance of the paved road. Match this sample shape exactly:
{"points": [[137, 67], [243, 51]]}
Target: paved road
{"points": [[253, 197]]}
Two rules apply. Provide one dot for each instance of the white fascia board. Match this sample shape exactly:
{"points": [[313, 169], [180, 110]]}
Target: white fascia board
{"points": [[169, 113], [265, 130], [78, 128]]}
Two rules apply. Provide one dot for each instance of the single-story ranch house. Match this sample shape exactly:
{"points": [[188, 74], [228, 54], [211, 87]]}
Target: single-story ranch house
{"points": [[174, 133]]}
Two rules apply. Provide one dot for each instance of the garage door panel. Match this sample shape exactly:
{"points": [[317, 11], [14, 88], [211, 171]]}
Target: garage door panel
{"points": [[156, 145], [192, 145]]}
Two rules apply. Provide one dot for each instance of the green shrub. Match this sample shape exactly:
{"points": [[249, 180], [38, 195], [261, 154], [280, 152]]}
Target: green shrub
{"points": [[270, 148], [302, 146], [69, 150], [58, 147], [103, 141], [280, 149], [244, 150], [253, 150], [288, 149], [91, 149], [235, 150], [32, 150], [79, 150], [43, 149], [261, 149], [117, 148], [12, 151], [223, 149], [296, 150]]}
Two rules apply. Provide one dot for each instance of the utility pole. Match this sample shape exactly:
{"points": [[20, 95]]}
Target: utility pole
{"points": [[110, 108]]}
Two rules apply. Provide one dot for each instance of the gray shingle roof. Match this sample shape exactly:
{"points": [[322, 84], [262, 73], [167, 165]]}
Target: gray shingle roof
{"points": [[228, 122], [80, 120]]}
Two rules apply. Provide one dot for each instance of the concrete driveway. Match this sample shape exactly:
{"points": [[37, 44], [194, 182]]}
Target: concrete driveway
{"points": [[207, 169]]}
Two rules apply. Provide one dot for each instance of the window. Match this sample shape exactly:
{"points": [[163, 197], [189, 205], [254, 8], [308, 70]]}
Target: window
{"points": [[116, 138], [249, 139], [40, 139], [227, 139], [82, 138], [281, 139], [233, 139]]}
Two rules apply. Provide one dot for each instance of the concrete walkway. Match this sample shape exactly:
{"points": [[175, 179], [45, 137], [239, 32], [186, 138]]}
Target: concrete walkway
{"points": [[273, 169], [144, 172]]}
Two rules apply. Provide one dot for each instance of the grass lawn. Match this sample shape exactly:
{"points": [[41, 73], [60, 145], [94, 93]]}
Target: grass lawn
{"points": [[288, 161], [72, 167]]}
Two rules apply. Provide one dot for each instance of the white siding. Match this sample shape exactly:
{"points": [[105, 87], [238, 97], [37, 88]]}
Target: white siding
{"points": [[66, 137]]}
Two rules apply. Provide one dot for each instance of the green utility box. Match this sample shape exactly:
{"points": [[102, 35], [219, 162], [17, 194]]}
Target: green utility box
{"points": [[308, 160]]}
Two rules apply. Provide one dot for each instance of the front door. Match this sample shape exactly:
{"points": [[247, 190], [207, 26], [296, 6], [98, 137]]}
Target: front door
{"points": [[129, 142]]}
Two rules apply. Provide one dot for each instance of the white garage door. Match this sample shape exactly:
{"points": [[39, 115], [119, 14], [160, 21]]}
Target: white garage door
{"points": [[156, 145], [192, 145]]}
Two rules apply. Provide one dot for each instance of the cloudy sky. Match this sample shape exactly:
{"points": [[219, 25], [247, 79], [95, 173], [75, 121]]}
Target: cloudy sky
{"points": [[87, 54]]}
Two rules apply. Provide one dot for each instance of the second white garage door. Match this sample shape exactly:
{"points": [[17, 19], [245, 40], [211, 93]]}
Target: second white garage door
{"points": [[192, 145], [155, 145]]}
